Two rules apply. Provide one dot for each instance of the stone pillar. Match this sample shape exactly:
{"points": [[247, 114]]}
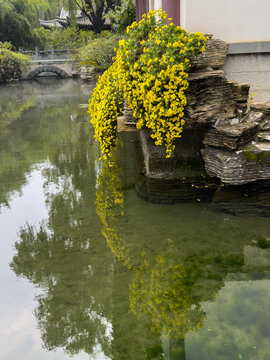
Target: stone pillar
{"points": [[36, 53], [52, 53], [172, 8]]}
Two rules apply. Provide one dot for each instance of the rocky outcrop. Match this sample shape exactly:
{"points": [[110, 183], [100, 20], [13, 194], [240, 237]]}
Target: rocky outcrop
{"points": [[240, 153], [214, 56], [225, 137], [238, 167], [231, 137], [210, 98], [128, 114], [185, 163]]}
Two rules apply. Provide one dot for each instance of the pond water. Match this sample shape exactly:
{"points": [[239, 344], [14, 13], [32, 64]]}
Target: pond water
{"points": [[89, 270]]}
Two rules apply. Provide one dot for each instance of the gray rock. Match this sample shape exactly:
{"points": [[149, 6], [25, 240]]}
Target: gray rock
{"points": [[240, 93], [86, 77], [210, 97], [263, 136], [254, 117], [234, 121], [231, 136], [122, 126], [185, 163], [214, 56], [238, 167], [261, 107], [128, 114], [265, 125]]}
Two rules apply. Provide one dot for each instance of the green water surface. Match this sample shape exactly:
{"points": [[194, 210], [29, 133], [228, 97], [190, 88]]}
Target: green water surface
{"points": [[88, 270]]}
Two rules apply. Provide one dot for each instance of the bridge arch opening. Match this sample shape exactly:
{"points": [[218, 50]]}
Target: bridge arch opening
{"points": [[47, 69]]}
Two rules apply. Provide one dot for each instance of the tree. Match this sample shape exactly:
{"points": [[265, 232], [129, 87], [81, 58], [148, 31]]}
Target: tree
{"points": [[17, 18], [95, 11]]}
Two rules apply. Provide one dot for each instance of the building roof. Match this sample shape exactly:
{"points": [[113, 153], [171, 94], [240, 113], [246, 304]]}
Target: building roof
{"points": [[48, 24], [62, 21]]}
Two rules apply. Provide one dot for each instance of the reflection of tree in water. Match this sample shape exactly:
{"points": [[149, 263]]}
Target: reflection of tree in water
{"points": [[27, 134], [66, 257], [11, 163], [11, 110], [69, 312], [110, 205]]}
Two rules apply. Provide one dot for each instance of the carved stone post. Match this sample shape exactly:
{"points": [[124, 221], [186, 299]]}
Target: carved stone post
{"points": [[52, 53], [36, 53]]}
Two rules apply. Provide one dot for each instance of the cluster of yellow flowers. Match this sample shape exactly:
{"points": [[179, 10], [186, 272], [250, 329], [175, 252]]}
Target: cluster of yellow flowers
{"points": [[150, 70], [105, 106]]}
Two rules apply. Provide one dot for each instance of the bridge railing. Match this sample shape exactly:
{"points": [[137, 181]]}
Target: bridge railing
{"points": [[52, 54]]}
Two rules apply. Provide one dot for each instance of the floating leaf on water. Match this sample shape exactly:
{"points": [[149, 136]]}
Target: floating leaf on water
{"points": [[83, 106]]}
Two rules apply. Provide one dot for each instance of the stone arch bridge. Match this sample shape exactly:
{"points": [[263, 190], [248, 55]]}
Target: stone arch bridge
{"points": [[62, 67]]}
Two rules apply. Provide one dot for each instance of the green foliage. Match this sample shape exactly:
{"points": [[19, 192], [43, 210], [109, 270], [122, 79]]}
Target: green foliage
{"points": [[262, 242], [50, 11], [122, 16], [6, 45], [11, 111], [17, 18], [61, 38], [12, 64], [100, 52]]}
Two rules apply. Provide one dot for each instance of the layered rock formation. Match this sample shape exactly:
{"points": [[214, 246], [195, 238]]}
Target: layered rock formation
{"points": [[225, 136], [240, 153]]}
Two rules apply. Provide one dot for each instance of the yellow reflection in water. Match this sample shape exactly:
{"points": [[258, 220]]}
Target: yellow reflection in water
{"points": [[110, 206], [162, 291]]}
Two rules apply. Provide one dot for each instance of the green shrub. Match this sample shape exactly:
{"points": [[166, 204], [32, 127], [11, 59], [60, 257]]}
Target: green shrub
{"points": [[6, 45], [122, 16], [99, 52], [62, 38], [12, 64]]}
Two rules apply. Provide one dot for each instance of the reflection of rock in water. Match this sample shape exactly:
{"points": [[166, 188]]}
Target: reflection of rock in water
{"points": [[186, 161], [180, 178], [174, 190], [246, 199]]}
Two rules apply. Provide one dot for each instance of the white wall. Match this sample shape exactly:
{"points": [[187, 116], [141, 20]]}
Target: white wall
{"points": [[156, 4], [252, 69], [229, 20]]}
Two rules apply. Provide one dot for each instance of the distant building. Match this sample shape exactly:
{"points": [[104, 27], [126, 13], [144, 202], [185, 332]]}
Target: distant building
{"points": [[63, 21]]}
